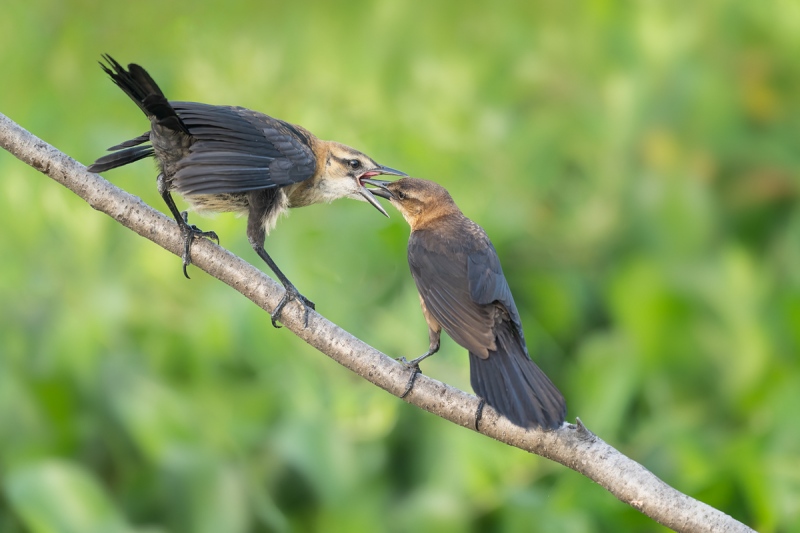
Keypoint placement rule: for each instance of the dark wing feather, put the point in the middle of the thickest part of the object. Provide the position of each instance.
(236, 150)
(486, 279)
(487, 282)
(442, 280)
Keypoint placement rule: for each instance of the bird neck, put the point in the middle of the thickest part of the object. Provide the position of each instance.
(439, 217)
(322, 153)
(310, 191)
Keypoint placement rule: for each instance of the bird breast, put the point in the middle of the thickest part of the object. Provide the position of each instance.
(217, 203)
(320, 190)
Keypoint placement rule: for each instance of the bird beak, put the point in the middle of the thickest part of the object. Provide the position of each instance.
(381, 191)
(383, 170)
(367, 194)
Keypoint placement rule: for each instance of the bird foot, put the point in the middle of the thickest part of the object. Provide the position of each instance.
(191, 232)
(415, 370)
(291, 294)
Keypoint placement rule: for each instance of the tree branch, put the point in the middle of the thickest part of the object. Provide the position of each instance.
(573, 446)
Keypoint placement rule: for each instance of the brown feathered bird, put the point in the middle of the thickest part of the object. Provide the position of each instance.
(225, 158)
(463, 291)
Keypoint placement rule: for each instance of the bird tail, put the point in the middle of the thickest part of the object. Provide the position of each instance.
(514, 386)
(125, 153)
(143, 90)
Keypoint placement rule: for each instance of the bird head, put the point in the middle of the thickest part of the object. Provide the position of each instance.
(417, 200)
(341, 171)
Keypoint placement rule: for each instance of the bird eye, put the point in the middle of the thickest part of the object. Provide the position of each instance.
(401, 195)
(355, 164)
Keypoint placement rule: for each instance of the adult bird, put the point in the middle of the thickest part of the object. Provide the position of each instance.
(463, 291)
(226, 158)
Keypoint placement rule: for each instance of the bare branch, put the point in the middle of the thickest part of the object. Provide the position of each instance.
(573, 445)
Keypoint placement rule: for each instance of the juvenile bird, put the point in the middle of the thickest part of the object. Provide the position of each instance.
(463, 291)
(225, 158)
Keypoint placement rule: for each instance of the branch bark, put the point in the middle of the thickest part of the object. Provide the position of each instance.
(573, 446)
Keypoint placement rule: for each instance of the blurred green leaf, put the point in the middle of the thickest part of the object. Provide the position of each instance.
(56, 496)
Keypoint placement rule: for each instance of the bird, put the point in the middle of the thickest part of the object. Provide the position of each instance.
(222, 158)
(463, 291)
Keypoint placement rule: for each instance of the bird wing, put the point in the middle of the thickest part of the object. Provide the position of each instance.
(442, 280)
(488, 286)
(487, 283)
(236, 150)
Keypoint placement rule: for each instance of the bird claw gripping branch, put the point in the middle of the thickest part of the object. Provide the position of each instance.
(191, 232)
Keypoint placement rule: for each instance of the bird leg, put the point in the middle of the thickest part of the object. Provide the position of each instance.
(291, 292)
(413, 365)
(264, 204)
(190, 232)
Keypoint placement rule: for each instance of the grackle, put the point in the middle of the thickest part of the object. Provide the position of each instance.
(463, 291)
(226, 158)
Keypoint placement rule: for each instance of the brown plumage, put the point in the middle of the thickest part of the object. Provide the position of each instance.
(225, 158)
(463, 291)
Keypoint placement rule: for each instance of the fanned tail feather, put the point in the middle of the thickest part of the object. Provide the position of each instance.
(122, 157)
(143, 90)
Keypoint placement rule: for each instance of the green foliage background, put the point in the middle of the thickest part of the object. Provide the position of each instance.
(636, 165)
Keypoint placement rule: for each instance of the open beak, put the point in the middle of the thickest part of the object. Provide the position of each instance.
(381, 190)
(368, 194)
